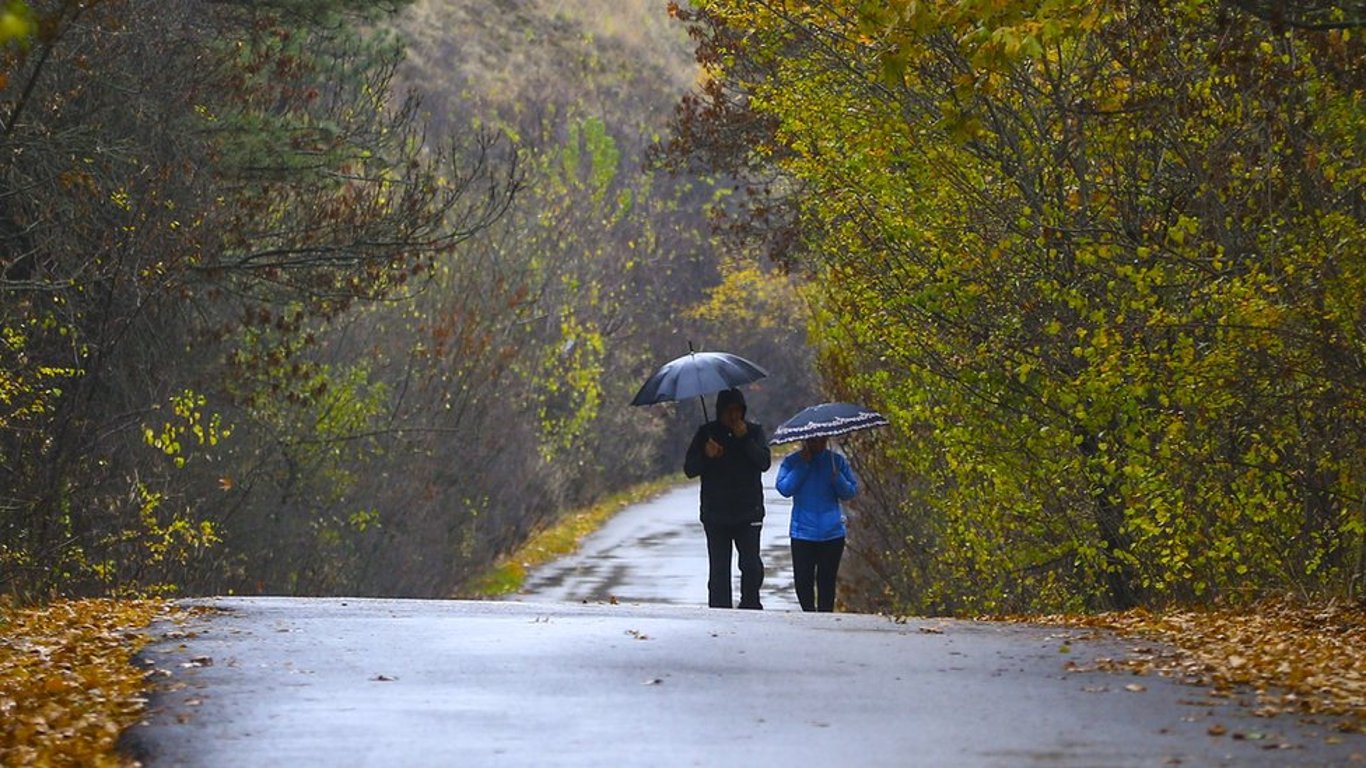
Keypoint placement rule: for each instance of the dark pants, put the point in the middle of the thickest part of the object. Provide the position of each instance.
(815, 565)
(745, 538)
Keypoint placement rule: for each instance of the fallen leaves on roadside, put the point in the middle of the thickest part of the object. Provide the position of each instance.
(1296, 657)
(67, 684)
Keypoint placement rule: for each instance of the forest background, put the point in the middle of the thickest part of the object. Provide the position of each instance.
(271, 324)
(330, 296)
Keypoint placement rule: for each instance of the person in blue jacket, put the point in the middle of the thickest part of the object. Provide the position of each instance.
(817, 480)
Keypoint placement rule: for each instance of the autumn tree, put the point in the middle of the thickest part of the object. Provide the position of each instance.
(1102, 265)
(325, 296)
(190, 190)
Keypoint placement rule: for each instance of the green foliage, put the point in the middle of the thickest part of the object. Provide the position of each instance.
(1102, 264)
(181, 221)
(337, 296)
(572, 366)
(17, 24)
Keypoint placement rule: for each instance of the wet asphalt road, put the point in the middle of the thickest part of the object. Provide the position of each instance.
(655, 679)
(656, 552)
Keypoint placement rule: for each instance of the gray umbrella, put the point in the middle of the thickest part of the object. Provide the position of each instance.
(696, 374)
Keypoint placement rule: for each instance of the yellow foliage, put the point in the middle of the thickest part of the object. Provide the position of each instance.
(17, 24)
(750, 297)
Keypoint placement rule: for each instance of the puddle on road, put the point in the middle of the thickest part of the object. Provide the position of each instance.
(656, 552)
(659, 539)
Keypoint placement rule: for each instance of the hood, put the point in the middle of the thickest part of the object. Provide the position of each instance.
(728, 397)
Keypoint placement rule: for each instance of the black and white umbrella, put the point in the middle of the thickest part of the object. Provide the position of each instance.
(827, 420)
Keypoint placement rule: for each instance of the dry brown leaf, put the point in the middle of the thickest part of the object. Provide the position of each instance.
(67, 683)
(1296, 657)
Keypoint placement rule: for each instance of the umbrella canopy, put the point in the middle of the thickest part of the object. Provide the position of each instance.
(827, 420)
(696, 374)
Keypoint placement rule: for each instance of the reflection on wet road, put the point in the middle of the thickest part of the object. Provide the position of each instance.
(655, 552)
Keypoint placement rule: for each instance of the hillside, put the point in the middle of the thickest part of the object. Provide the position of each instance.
(613, 57)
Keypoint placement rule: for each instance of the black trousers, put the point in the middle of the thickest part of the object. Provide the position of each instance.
(815, 564)
(745, 539)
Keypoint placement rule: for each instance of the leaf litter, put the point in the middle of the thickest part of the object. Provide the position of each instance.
(68, 686)
(1297, 658)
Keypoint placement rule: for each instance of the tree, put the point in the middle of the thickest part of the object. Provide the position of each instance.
(287, 309)
(1096, 261)
(178, 230)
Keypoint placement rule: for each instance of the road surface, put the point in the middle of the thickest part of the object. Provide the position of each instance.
(654, 679)
(656, 552)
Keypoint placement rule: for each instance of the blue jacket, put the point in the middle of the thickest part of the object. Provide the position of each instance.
(816, 488)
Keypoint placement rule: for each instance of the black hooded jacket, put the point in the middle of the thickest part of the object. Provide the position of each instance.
(732, 483)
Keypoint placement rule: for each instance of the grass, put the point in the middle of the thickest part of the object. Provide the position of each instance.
(559, 539)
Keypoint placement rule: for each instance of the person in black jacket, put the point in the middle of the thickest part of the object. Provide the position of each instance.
(731, 455)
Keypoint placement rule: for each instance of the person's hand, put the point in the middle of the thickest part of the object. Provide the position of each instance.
(713, 449)
(733, 419)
